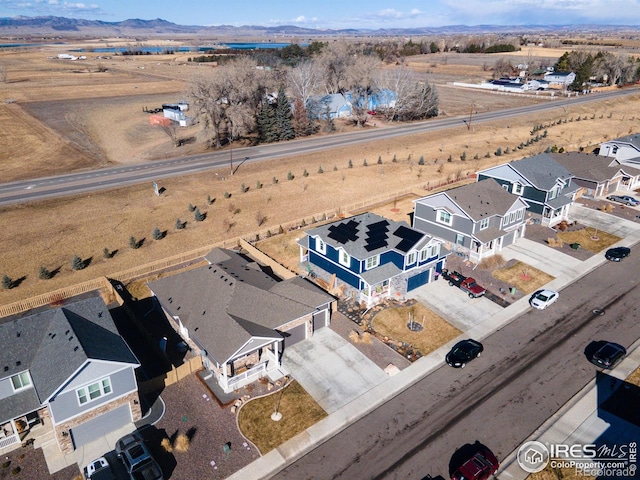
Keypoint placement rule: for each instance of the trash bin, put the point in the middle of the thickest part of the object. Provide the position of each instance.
(575, 246)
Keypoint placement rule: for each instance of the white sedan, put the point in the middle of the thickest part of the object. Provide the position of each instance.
(543, 298)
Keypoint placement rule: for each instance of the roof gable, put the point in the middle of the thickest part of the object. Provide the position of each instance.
(542, 171)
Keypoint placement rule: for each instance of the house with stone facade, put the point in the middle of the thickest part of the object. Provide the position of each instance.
(67, 369)
(373, 257)
(239, 316)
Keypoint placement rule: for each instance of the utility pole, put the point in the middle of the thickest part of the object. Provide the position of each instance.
(231, 153)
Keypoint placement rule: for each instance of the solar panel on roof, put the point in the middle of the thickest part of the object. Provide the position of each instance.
(344, 232)
(377, 235)
(409, 238)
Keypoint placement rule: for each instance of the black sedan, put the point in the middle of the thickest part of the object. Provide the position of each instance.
(608, 355)
(617, 254)
(463, 352)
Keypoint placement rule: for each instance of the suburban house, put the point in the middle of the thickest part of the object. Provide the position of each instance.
(477, 219)
(596, 175)
(542, 182)
(239, 317)
(375, 257)
(559, 79)
(625, 150)
(335, 105)
(67, 369)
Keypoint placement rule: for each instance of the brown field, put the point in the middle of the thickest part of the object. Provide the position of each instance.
(58, 116)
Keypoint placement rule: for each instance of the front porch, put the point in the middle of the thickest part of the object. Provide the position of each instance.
(21, 431)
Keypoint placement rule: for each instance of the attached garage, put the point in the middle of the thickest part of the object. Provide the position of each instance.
(320, 319)
(101, 425)
(418, 280)
(295, 335)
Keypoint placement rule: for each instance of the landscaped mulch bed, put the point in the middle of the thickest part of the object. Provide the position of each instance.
(27, 463)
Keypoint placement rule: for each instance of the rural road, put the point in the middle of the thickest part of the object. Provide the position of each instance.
(528, 370)
(114, 177)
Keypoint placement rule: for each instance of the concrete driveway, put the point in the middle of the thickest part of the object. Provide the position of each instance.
(454, 305)
(331, 370)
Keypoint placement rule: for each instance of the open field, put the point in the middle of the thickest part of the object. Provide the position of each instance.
(68, 116)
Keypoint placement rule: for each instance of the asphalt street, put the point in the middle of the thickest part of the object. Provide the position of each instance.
(528, 370)
(115, 177)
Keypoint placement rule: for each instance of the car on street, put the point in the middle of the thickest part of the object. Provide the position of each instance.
(624, 199)
(608, 355)
(480, 466)
(617, 254)
(99, 469)
(463, 352)
(543, 298)
(135, 456)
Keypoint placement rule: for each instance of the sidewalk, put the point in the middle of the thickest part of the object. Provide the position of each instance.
(581, 411)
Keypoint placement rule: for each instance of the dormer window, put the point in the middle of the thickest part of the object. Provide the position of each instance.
(444, 217)
(410, 259)
(517, 189)
(373, 262)
(321, 246)
(484, 224)
(553, 193)
(21, 381)
(344, 258)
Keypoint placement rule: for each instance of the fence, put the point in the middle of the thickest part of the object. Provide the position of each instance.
(141, 271)
(173, 376)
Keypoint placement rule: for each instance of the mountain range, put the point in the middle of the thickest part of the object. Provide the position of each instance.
(60, 26)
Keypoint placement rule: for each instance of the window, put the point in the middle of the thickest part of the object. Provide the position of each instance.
(345, 259)
(553, 193)
(430, 252)
(520, 214)
(512, 217)
(484, 223)
(94, 391)
(444, 217)
(517, 189)
(410, 259)
(321, 246)
(21, 381)
(459, 239)
(373, 262)
(424, 254)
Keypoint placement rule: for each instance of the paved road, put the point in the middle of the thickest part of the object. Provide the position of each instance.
(103, 179)
(530, 368)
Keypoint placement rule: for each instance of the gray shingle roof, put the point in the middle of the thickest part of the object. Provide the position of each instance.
(591, 167)
(227, 303)
(482, 199)
(357, 245)
(54, 343)
(541, 170)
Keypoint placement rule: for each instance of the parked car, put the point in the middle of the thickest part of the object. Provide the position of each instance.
(463, 352)
(624, 199)
(99, 469)
(608, 355)
(543, 298)
(617, 254)
(135, 456)
(480, 466)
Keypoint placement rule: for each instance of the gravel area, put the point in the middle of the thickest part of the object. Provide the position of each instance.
(29, 463)
(192, 410)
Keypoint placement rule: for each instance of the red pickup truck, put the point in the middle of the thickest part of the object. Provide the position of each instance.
(466, 284)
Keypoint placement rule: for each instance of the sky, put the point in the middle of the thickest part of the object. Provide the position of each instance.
(338, 14)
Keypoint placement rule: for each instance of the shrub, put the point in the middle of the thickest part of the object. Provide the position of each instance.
(179, 224)
(182, 443)
(8, 283)
(244, 188)
(77, 263)
(449, 159)
(198, 215)
(476, 157)
(106, 253)
(487, 155)
(157, 234)
(305, 173)
(350, 163)
(191, 208)
(274, 180)
(463, 157)
(227, 195)
(258, 185)
(320, 170)
(335, 168)
(166, 445)
(44, 273)
(210, 200)
(364, 162)
(498, 152)
(133, 243)
(290, 175)
(260, 218)
(394, 159)
(379, 159)
(421, 161)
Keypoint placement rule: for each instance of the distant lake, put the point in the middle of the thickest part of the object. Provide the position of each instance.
(161, 49)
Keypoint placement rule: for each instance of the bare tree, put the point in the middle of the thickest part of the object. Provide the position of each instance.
(334, 62)
(415, 98)
(609, 67)
(360, 81)
(304, 79)
(172, 132)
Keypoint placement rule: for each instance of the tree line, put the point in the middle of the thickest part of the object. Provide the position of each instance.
(265, 98)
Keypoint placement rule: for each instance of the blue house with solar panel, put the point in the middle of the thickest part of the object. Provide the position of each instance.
(373, 257)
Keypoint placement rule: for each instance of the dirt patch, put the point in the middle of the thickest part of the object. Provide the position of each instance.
(522, 276)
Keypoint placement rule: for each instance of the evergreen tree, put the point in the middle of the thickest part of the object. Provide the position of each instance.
(157, 234)
(284, 125)
(267, 130)
(198, 216)
(7, 282)
(44, 273)
(77, 263)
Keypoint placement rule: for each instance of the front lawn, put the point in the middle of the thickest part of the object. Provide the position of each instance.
(589, 238)
(392, 323)
(299, 411)
(522, 276)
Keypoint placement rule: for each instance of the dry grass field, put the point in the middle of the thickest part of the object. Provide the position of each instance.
(58, 116)
(522, 276)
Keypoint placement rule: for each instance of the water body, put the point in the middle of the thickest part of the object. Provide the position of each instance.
(199, 49)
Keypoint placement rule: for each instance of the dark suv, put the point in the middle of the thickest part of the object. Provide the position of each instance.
(136, 458)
